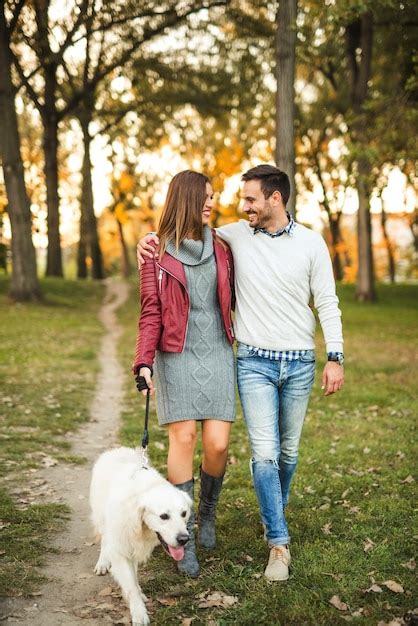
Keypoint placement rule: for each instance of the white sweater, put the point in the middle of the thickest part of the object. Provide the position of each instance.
(274, 281)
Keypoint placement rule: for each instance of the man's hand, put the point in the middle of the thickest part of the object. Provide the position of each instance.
(332, 377)
(146, 373)
(145, 249)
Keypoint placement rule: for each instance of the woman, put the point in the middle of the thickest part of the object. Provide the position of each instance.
(185, 326)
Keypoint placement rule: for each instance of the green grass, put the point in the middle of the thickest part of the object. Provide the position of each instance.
(357, 448)
(48, 370)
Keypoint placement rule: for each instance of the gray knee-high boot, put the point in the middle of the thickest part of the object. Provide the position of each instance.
(189, 565)
(210, 488)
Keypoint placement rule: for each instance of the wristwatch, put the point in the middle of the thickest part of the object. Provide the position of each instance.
(337, 357)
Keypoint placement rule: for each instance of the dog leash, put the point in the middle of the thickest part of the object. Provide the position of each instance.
(142, 385)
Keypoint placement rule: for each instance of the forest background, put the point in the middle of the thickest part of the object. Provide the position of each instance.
(101, 103)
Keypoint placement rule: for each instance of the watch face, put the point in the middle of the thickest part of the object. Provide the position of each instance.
(337, 359)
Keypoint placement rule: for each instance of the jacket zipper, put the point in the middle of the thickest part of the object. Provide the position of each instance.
(160, 281)
(160, 278)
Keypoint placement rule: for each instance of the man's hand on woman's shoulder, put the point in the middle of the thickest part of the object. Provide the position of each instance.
(145, 249)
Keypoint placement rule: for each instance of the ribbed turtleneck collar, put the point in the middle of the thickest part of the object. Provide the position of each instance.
(192, 251)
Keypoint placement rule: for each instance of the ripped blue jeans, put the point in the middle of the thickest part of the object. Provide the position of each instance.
(274, 397)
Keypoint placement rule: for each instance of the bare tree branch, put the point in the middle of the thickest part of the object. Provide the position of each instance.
(124, 57)
(13, 22)
(24, 81)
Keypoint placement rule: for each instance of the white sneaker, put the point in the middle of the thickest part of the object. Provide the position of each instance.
(278, 565)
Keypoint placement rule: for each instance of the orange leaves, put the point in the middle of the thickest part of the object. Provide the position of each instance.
(120, 213)
(126, 183)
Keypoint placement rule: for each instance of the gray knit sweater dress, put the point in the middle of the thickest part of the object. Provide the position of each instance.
(198, 383)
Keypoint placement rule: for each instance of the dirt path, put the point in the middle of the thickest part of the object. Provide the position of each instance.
(74, 595)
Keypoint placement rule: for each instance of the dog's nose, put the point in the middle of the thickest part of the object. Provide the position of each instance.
(182, 538)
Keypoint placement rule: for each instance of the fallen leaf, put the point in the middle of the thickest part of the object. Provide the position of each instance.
(327, 528)
(366, 450)
(357, 613)
(186, 621)
(334, 576)
(368, 544)
(167, 601)
(400, 455)
(159, 445)
(354, 510)
(84, 575)
(232, 460)
(408, 480)
(338, 604)
(409, 564)
(217, 599)
(105, 606)
(394, 586)
(248, 558)
(48, 461)
(106, 591)
(397, 621)
(374, 588)
(4, 524)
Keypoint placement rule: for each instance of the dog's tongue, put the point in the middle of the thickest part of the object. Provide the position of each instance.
(176, 553)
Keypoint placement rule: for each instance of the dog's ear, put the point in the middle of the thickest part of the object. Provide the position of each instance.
(140, 511)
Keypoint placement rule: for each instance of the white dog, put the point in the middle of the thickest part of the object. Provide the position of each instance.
(133, 508)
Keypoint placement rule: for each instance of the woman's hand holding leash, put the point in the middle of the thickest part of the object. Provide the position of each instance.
(144, 381)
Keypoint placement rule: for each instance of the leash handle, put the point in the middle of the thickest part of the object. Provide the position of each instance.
(145, 437)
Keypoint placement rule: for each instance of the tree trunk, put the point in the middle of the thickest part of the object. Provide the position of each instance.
(50, 144)
(389, 247)
(126, 264)
(359, 37)
(24, 281)
(285, 96)
(334, 226)
(82, 244)
(365, 291)
(334, 223)
(89, 238)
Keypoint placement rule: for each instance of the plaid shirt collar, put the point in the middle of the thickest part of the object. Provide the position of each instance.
(289, 228)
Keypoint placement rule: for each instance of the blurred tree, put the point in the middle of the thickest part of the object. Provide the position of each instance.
(328, 176)
(285, 46)
(24, 282)
(112, 33)
(338, 42)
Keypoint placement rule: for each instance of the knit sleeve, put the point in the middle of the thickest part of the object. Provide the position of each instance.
(322, 285)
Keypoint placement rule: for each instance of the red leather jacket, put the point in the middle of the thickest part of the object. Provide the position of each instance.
(165, 303)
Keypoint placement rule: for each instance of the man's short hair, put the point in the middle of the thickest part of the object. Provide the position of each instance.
(271, 179)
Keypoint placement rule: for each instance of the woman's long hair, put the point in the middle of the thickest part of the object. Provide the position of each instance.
(182, 213)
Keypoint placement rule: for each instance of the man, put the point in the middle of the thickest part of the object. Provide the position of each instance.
(279, 266)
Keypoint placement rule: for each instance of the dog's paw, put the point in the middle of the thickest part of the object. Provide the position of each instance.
(102, 567)
(140, 616)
